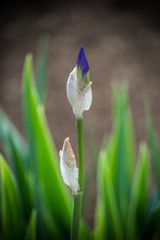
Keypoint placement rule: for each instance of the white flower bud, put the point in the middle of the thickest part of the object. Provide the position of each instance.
(69, 171)
(79, 91)
(80, 99)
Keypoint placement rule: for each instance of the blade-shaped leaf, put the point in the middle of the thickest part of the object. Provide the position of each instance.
(48, 173)
(22, 180)
(100, 224)
(28, 113)
(8, 133)
(121, 150)
(12, 221)
(31, 227)
(15, 149)
(153, 146)
(100, 231)
(113, 221)
(137, 215)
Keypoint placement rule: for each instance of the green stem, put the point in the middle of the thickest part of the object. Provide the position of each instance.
(76, 215)
(77, 201)
(80, 153)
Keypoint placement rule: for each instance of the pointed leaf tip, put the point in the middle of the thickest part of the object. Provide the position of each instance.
(82, 62)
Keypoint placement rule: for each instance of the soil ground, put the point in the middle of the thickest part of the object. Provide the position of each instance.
(120, 46)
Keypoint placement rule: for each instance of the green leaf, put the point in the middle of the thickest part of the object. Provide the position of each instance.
(122, 140)
(119, 155)
(49, 178)
(31, 227)
(12, 221)
(28, 113)
(113, 221)
(49, 174)
(15, 149)
(121, 150)
(100, 231)
(137, 215)
(153, 146)
(41, 73)
(8, 134)
(49, 226)
(22, 180)
(100, 224)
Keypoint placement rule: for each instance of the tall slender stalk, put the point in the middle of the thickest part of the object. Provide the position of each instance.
(76, 215)
(77, 198)
(80, 152)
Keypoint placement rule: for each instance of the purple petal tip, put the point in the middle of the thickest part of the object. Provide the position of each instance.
(82, 61)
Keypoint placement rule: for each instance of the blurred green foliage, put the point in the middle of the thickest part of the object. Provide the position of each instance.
(127, 207)
(35, 203)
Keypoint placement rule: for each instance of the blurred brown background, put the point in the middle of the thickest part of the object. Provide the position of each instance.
(122, 43)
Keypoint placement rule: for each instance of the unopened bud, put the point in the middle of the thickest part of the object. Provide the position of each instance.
(69, 170)
(79, 91)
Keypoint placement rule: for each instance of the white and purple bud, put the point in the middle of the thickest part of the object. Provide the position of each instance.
(79, 91)
(69, 170)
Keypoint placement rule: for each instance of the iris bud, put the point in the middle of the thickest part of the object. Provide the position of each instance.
(79, 91)
(69, 170)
